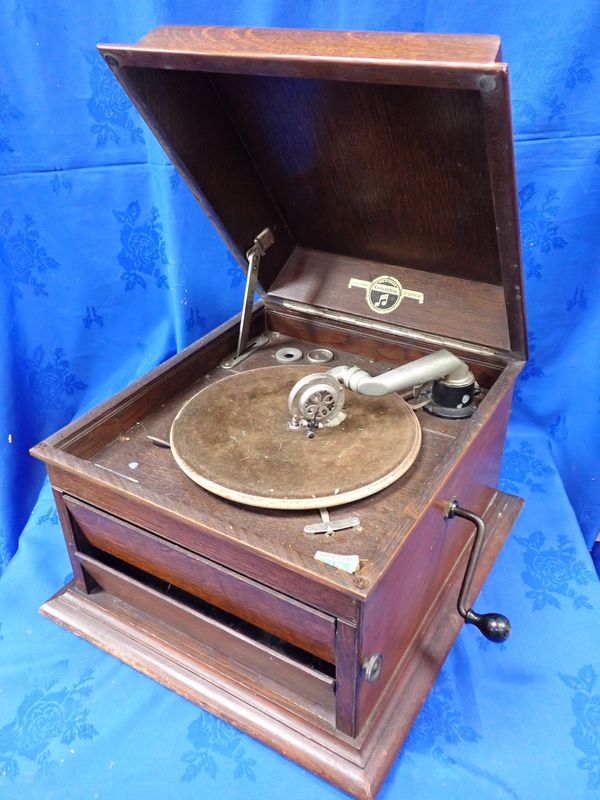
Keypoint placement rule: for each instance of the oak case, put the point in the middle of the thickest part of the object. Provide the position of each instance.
(368, 154)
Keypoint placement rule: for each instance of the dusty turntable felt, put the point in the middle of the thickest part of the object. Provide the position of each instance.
(233, 439)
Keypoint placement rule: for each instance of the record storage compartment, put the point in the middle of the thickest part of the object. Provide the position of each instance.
(291, 649)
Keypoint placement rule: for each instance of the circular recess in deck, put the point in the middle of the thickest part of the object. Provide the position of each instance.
(233, 439)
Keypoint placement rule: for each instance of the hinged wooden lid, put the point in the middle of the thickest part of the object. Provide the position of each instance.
(383, 163)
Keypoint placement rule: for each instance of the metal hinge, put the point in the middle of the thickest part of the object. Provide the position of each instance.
(386, 327)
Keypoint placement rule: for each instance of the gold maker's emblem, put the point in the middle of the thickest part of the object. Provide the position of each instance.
(384, 294)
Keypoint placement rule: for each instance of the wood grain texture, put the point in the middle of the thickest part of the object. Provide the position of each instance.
(83, 581)
(323, 593)
(118, 628)
(274, 612)
(394, 613)
(88, 434)
(369, 152)
(269, 671)
(466, 310)
(381, 345)
(213, 162)
(266, 545)
(357, 766)
(389, 538)
(276, 535)
(289, 42)
(498, 134)
(365, 153)
(390, 174)
(416, 672)
(452, 61)
(347, 676)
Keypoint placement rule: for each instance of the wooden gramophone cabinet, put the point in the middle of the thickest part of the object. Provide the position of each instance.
(370, 156)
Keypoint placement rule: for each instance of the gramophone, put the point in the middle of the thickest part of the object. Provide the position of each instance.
(314, 503)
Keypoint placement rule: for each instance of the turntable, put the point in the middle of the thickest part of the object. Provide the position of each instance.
(313, 507)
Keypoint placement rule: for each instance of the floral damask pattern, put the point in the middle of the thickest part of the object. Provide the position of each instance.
(8, 113)
(22, 254)
(196, 320)
(539, 231)
(24, 11)
(5, 552)
(235, 272)
(552, 573)
(143, 252)
(109, 106)
(50, 517)
(174, 180)
(586, 732)
(398, 23)
(578, 300)
(439, 723)
(48, 719)
(92, 317)
(166, 7)
(61, 182)
(569, 76)
(55, 108)
(531, 369)
(559, 430)
(546, 92)
(520, 467)
(573, 73)
(556, 107)
(51, 379)
(214, 741)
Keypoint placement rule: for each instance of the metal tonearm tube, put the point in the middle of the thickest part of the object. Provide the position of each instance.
(439, 365)
(317, 399)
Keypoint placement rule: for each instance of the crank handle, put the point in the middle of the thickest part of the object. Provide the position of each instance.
(495, 627)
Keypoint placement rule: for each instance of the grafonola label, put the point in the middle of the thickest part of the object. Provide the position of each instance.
(385, 293)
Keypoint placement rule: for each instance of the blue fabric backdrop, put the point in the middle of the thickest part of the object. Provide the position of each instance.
(108, 266)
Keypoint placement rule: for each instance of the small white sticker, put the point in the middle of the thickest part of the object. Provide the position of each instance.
(346, 563)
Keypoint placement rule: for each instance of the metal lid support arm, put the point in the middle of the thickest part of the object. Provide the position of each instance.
(263, 241)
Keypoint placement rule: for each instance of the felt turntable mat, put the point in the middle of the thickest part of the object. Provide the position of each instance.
(233, 439)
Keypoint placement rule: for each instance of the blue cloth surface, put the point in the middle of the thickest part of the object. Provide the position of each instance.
(108, 266)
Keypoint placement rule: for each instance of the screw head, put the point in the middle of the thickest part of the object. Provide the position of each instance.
(372, 667)
(487, 83)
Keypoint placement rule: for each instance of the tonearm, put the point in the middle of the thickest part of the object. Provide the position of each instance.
(317, 400)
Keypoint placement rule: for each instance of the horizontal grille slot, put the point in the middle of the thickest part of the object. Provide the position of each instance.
(233, 623)
(259, 605)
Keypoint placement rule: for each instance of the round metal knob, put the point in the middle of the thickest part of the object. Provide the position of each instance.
(372, 667)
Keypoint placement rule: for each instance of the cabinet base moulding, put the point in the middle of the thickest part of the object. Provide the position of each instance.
(357, 766)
